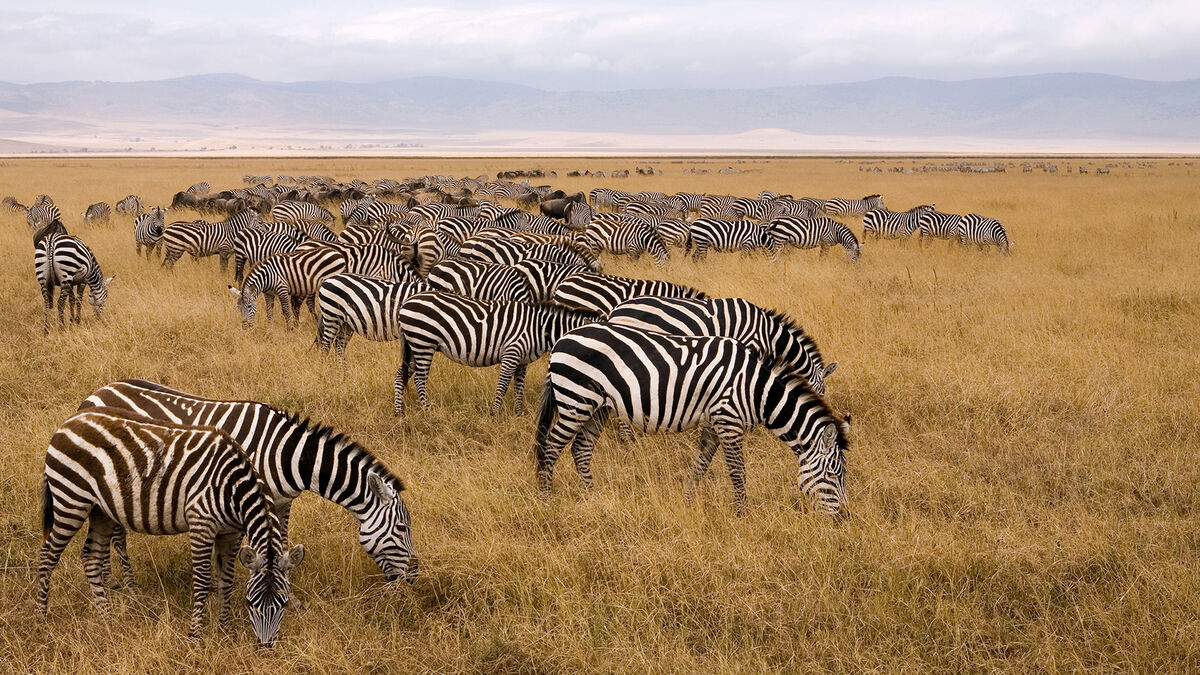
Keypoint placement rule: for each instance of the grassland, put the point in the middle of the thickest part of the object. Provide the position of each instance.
(1024, 471)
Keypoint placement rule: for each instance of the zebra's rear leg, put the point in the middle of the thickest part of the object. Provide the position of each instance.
(48, 300)
(94, 553)
(62, 527)
(519, 389)
(585, 443)
(625, 432)
(509, 363)
(402, 374)
(708, 448)
(564, 429)
(119, 544)
(422, 362)
(64, 296)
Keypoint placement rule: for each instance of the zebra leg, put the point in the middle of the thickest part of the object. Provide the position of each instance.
(343, 336)
(287, 307)
(625, 432)
(519, 389)
(93, 554)
(402, 375)
(508, 367)
(708, 448)
(585, 443)
(201, 538)
(700, 252)
(226, 553)
(269, 301)
(119, 543)
(63, 526)
(48, 299)
(565, 428)
(239, 268)
(312, 307)
(170, 257)
(224, 258)
(732, 435)
(77, 304)
(64, 295)
(421, 364)
(329, 330)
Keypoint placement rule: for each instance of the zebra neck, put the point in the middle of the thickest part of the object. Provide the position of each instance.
(260, 524)
(335, 468)
(94, 278)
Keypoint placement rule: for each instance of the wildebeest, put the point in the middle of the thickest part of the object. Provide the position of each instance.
(557, 208)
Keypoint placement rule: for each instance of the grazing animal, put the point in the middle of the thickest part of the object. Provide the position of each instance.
(97, 213)
(254, 244)
(509, 252)
(727, 235)
(659, 382)
(884, 224)
(200, 188)
(199, 239)
(109, 467)
(131, 205)
(811, 233)
(625, 235)
(772, 335)
(543, 276)
(291, 277)
(937, 225)
(292, 456)
(148, 229)
(42, 214)
(853, 207)
(294, 212)
(63, 261)
(600, 293)
(480, 280)
(353, 303)
(982, 231)
(478, 333)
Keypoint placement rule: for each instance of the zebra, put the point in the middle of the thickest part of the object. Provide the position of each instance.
(253, 244)
(934, 224)
(200, 188)
(543, 276)
(131, 205)
(478, 333)
(55, 227)
(717, 206)
(99, 212)
(291, 277)
(600, 293)
(656, 209)
(41, 214)
(199, 239)
(771, 334)
(626, 236)
(687, 202)
(65, 261)
(759, 209)
(604, 197)
(112, 468)
(853, 207)
(286, 451)
(881, 223)
(660, 382)
(508, 252)
(292, 211)
(377, 261)
(983, 232)
(726, 235)
(148, 229)
(354, 303)
(480, 280)
(813, 232)
(11, 204)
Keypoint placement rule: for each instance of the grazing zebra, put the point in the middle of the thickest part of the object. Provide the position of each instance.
(199, 239)
(99, 212)
(717, 206)
(626, 236)
(983, 232)
(813, 232)
(727, 235)
(13, 205)
(377, 261)
(659, 382)
(853, 207)
(131, 205)
(291, 277)
(772, 335)
(429, 248)
(687, 202)
(508, 252)
(200, 188)
(480, 280)
(66, 262)
(655, 209)
(478, 333)
(881, 223)
(253, 244)
(758, 209)
(292, 211)
(286, 452)
(937, 225)
(42, 214)
(543, 276)
(148, 229)
(111, 468)
(600, 293)
(603, 197)
(354, 303)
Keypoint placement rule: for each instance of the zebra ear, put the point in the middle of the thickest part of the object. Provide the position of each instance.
(292, 560)
(830, 368)
(376, 484)
(236, 292)
(109, 280)
(830, 435)
(250, 559)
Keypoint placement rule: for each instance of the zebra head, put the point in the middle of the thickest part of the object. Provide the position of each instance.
(99, 293)
(245, 303)
(384, 531)
(822, 472)
(874, 202)
(652, 244)
(268, 589)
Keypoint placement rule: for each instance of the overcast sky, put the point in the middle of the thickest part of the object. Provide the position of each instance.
(599, 45)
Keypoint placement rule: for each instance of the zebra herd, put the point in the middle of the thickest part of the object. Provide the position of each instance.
(441, 265)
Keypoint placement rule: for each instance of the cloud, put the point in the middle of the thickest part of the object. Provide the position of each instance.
(602, 45)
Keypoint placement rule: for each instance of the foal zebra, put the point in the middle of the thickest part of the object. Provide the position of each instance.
(982, 231)
(774, 336)
(291, 456)
(813, 232)
(478, 333)
(148, 229)
(726, 235)
(60, 260)
(881, 223)
(600, 293)
(112, 468)
(853, 207)
(353, 303)
(659, 382)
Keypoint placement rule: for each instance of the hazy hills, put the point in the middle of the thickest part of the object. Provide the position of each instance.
(1031, 107)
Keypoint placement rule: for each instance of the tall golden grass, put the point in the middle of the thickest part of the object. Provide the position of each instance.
(1023, 477)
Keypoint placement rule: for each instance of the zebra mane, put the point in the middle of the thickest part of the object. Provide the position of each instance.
(871, 197)
(328, 434)
(794, 328)
(791, 377)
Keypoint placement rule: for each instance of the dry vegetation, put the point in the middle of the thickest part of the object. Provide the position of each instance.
(1023, 476)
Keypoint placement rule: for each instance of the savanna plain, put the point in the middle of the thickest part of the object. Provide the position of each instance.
(1023, 475)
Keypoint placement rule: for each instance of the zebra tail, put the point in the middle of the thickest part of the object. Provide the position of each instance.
(546, 412)
(47, 508)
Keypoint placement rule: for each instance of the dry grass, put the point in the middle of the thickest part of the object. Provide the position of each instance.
(1023, 476)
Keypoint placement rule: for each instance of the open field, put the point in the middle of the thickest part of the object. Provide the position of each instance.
(1024, 473)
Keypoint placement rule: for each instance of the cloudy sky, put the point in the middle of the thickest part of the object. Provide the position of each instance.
(599, 45)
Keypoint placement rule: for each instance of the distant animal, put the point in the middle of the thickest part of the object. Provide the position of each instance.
(291, 278)
(97, 213)
(131, 205)
(65, 262)
(148, 229)
(934, 224)
(884, 224)
(41, 214)
(811, 233)
(983, 231)
(706, 234)
(853, 207)
(200, 188)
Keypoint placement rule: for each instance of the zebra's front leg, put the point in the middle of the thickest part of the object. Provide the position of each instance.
(287, 306)
(732, 436)
(401, 383)
(422, 362)
(226, 553)
(519, 389)
(508, 367)
(708, 448)
(95, 550)
(201, 538)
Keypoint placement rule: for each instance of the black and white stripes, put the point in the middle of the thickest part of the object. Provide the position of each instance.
(65, 262)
